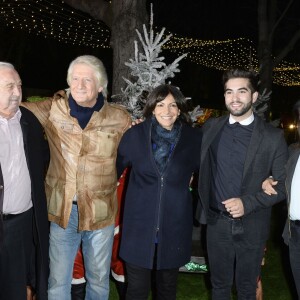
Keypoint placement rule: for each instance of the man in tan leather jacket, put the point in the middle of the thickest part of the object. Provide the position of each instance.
(83, 132)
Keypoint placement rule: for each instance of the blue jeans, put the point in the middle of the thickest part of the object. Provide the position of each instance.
(96, 249)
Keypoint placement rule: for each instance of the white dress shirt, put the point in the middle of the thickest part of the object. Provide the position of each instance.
(245, 122)
(295, 194)
(17, 184)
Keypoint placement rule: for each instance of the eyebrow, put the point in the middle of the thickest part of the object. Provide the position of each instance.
(7, 83)
(239, 89)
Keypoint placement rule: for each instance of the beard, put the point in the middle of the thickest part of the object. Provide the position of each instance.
(242, 111)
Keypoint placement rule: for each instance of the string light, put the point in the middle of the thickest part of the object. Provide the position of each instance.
(56, 20)
(223, 55)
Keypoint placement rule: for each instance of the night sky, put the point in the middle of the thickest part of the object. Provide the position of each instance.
(43, 62)
(222, 20)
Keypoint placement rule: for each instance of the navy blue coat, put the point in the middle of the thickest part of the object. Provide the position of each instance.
(158, 205)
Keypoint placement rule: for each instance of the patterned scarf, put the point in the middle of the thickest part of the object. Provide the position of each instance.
(163, 142)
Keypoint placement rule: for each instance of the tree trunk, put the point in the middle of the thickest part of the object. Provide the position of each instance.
(128, 15)
(265, 41)
(266, 19)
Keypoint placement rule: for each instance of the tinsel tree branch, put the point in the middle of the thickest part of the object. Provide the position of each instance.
(149, 69)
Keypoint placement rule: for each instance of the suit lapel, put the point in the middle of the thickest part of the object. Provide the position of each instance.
(254, 145)
(1, 207)
(290, 169)
(1, 190)
(210, 133)
(25, 131)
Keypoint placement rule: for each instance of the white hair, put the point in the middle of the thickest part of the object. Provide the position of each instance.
(6, 65)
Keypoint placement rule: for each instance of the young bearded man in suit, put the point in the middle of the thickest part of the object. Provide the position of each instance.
(238, 153)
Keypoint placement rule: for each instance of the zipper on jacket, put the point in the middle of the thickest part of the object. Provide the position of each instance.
(161, 188)
(161, 176)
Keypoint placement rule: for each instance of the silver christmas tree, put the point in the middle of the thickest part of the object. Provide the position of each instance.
(148, 67)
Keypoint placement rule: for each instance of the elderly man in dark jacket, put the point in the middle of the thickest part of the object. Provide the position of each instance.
(23, 213)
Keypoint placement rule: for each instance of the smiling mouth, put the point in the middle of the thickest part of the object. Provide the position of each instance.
(235, 105)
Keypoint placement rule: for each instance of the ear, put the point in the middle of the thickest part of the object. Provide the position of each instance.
(178, 112)
(100, 89)
(254, 97)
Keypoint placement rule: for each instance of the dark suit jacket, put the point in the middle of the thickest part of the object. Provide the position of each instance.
(290, 169)
(35, 147)
(1, 205)
(266, 156)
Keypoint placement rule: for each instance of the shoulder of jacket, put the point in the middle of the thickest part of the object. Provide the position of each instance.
(60, 94)
(270, 129)
(27, 114)
(212, 121)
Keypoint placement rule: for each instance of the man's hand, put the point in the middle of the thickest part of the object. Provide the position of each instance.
(235, 207)
(137, 121)
(267, 186)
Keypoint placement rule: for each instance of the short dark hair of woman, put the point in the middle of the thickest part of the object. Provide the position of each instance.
(159, 94)
(241, 73)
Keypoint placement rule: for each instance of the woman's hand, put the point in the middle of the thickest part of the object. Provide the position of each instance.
(268, 186)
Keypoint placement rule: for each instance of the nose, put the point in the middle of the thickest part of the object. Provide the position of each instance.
(167, 108)
(17, 91)
(81, 83)
(234, 96)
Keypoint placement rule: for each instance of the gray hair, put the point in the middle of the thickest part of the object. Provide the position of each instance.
(98, 67)
(6, 65)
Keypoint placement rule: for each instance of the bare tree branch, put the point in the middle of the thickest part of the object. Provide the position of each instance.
(287, 48)
(98, 9)
(280, 18)
(262, 21)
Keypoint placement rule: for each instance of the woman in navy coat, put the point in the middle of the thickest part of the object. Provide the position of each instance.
(163, 153)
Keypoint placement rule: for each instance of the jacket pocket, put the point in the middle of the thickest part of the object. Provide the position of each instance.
(102, 204)
(103, 144)
(55, 197)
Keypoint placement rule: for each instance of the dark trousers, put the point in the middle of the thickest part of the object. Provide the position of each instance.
(231, 255)
(294, 249)
(15, 256)
(78, 291)
(139, 283)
